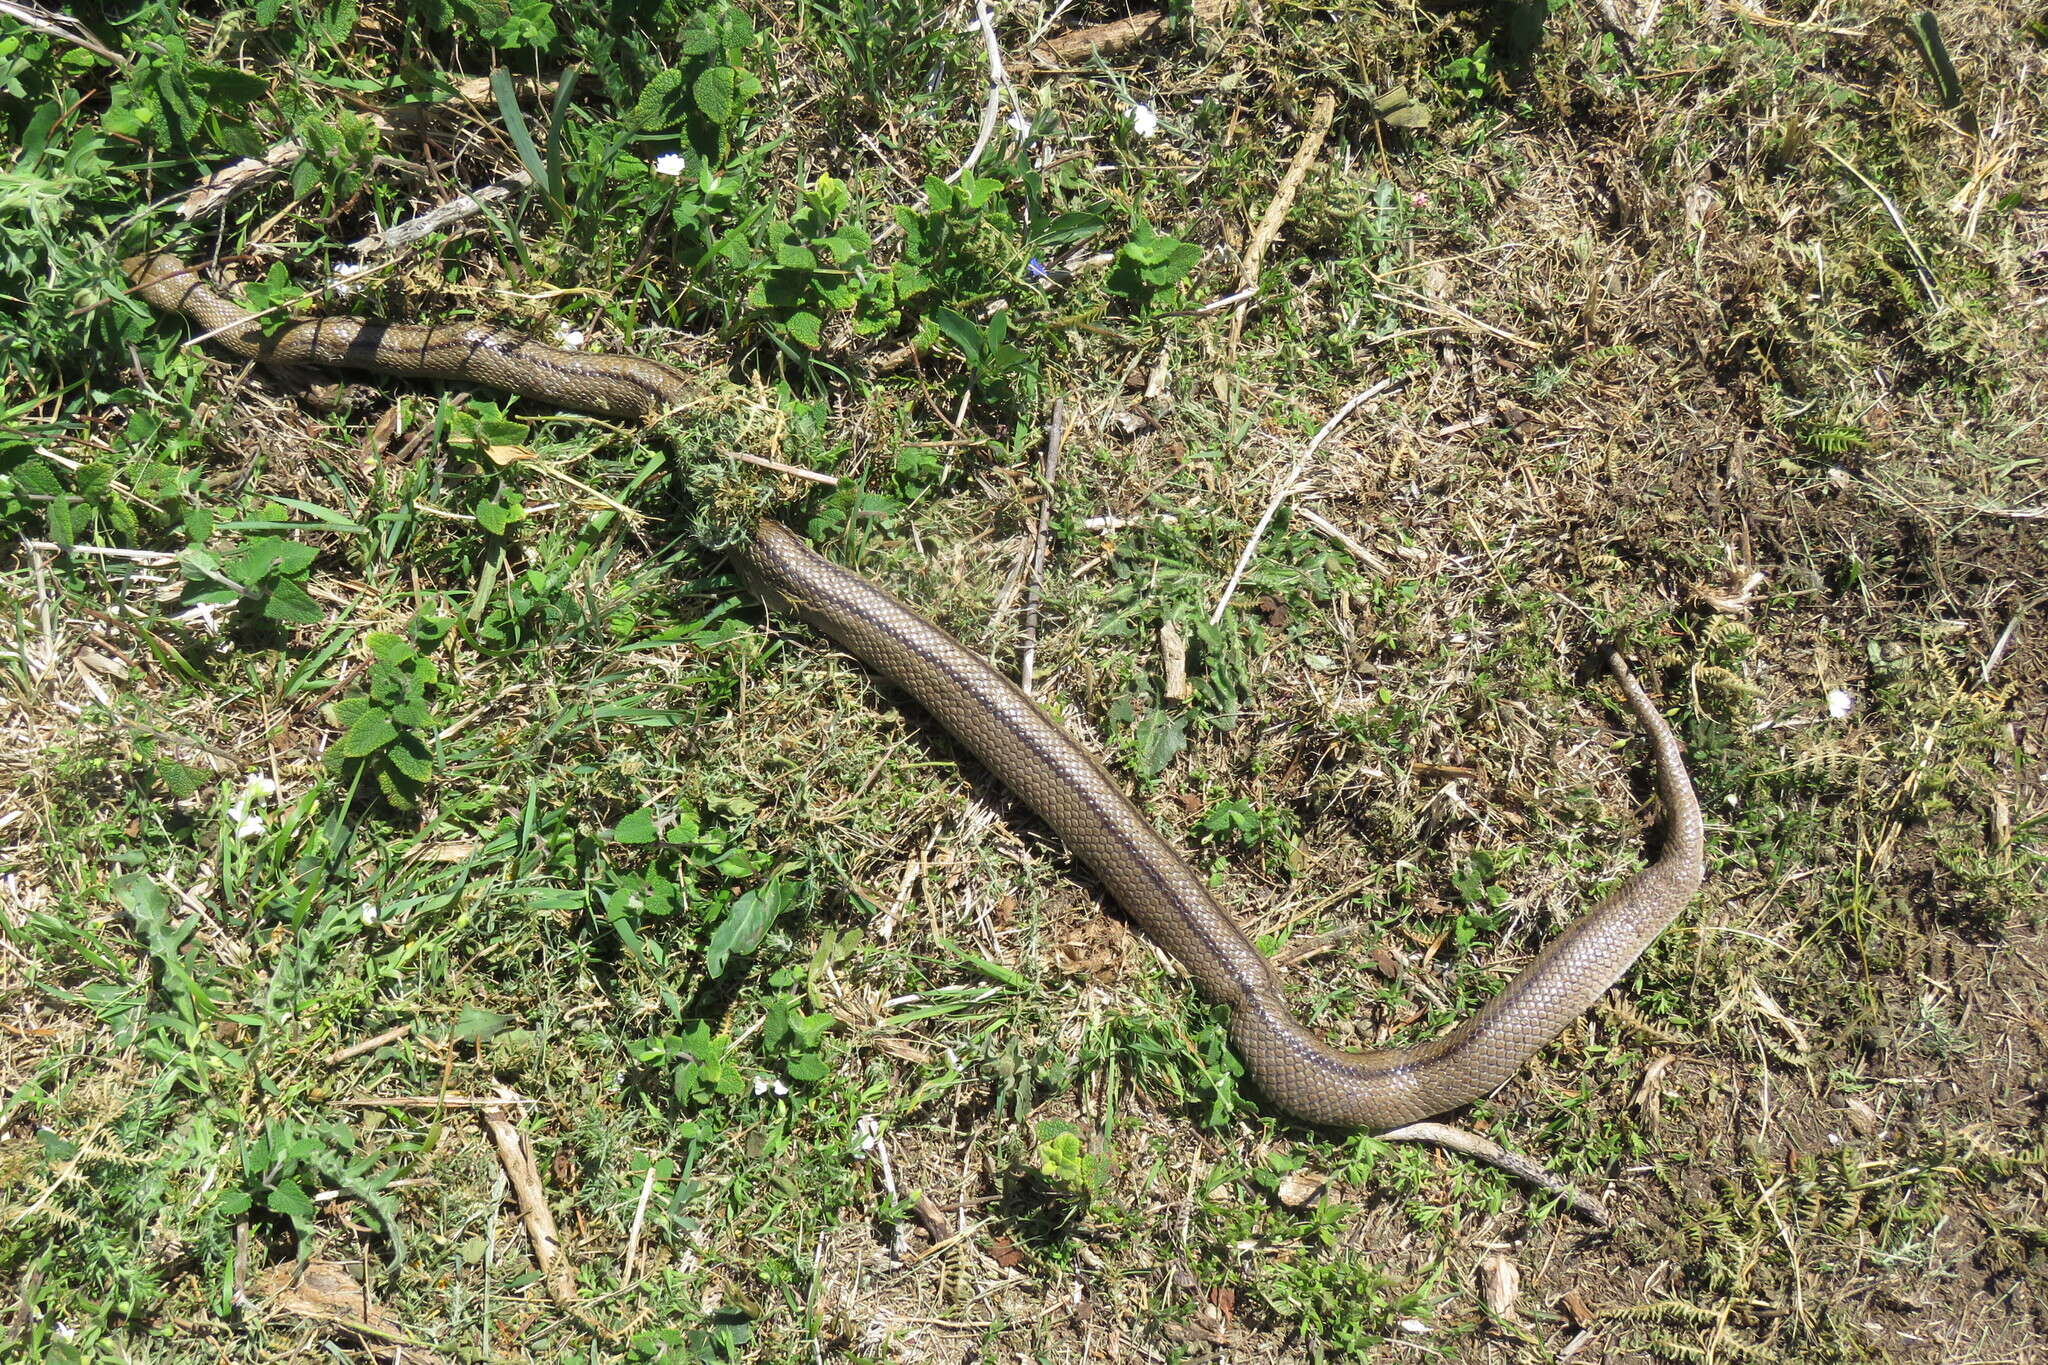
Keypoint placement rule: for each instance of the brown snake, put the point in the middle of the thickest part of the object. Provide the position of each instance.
(1038, 761)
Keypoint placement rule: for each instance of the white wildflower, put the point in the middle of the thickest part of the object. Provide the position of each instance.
(669, 163)
(1019, 125)
(259, 784)
(568, 338)
(250, 827)
(771, 1085)
(1840, 704)
(870, 1137)
(344, 274)
(368, 911)
(1144, 122)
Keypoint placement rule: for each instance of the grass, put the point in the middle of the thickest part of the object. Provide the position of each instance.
(1719, 341)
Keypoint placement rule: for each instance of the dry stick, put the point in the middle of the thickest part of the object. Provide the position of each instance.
(515, 1154)
(353, 1050)
(1343, 538)
(1101, 39)
(1514, 1163)
(64, 27)
(1922, 271)
(998, 85)
(432, 1101)
(794, 471)
(1106, 40)
(445, 215)
(639, 1221)
(1319, 121)
(1445, 310)
(1286, 486)
(1049, 468)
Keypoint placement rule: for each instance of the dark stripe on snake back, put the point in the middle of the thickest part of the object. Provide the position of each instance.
(1041, 763)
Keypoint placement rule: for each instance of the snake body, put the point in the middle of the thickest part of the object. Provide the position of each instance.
(1042, 764)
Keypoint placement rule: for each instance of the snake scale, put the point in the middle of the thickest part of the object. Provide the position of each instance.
(1039, 761)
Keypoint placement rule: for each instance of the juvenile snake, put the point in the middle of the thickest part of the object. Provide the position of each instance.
(1043, 765)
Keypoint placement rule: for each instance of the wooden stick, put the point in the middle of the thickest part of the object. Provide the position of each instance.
(515, 1154)
(1049, 469)
(1319, 121)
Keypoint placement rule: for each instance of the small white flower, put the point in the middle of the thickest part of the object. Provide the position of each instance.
(1019, 124)
(568, 338)
(1840, 704)
(259, 784)
(668, 163)
(870, 1137)
(368, 911)
(1144, 122)
(344, 271)
(767, 1085)
(66, 1332)
(250, 827)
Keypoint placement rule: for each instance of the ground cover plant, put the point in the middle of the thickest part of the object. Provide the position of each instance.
(443, 918)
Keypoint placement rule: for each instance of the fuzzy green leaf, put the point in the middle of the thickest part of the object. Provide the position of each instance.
(372, 731)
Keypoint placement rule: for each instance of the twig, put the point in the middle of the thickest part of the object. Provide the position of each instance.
(998, 85)
(431, 1101)
(639, 1221)
(1338, 534)
(1101, 39)
(155, 559)
(795, 471)
(1106, 40)
(62, 26)
(1286, 486)
(353, 1050)
(1921, 269)
(1445, 310)
(1048, 470)
(441, 216)
(1514, 1163)
(1319, 121)
(515, 1154)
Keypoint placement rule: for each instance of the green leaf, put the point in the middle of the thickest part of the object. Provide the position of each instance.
(371, 732)
(637, 828)
(410, 756)
(473, 1025)
(63, 529)
(718, 92)
(1161, 736)
(291, 1201)
(178, 779)
(1066, 228)
(289, 604)
(807, 328)
(386, 647)
(659, 106)
(745, 924)
(795, 256)
(701, 35)
(961, 333)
